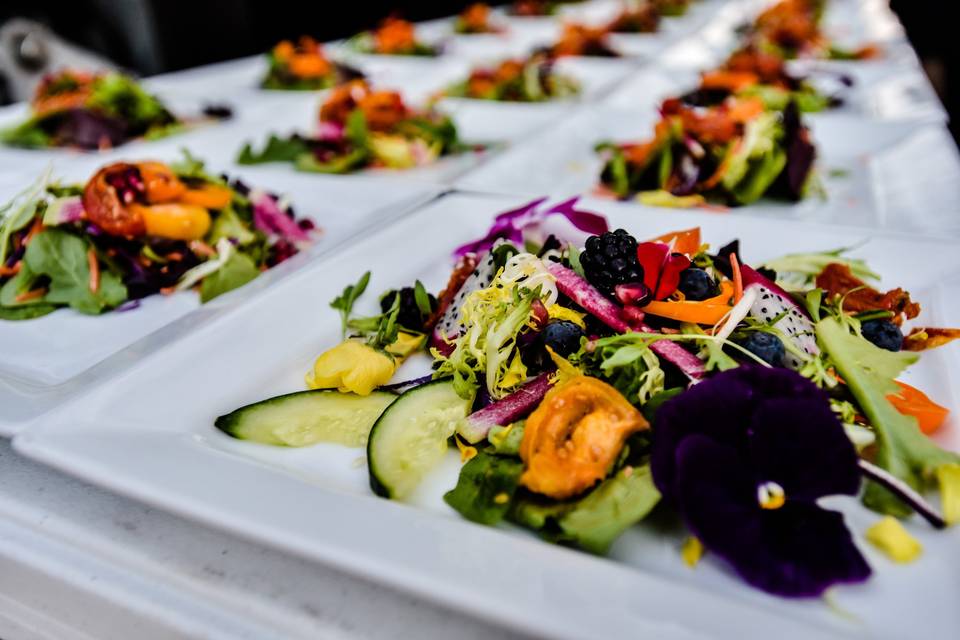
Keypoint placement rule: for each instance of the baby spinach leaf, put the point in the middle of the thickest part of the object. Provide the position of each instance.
(236, 272)
(485, 487)
(277, 149)
(62, 257)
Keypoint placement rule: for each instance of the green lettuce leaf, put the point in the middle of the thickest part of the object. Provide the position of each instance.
(902, 449)
(485, 487)
(277, 149)
(62, 257)
(236, 272)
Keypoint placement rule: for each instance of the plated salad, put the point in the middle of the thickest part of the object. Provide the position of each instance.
(136, 229)
(751, 72)
(532, 8)
(588, 377)
(534, 79)
(394, 37)
(304, 67)
(641, 17)
(96, 111)
(475, 19)
(582, 40)
(791, 29)
(731, 154)
(359, 128)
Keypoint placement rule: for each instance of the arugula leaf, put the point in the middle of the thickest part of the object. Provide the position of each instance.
(277, 149)
(29, 134)
(345, 163)
(485, 487)
(237, 271)
(62, 257)
(345, 301)
(901, 447)
(25, 280)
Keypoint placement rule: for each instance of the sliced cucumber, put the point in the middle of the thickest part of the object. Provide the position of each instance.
(410, 438)
(307, 417)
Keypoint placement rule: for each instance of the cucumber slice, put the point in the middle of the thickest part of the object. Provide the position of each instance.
(307, 417)
(410, 438)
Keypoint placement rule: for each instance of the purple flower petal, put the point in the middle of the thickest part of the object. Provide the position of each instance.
(531, 221)
(798, 550)
(802, 446)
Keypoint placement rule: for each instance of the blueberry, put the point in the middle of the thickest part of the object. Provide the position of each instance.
(696, 284)
(883, 333)
(562, 336)
(765, 346)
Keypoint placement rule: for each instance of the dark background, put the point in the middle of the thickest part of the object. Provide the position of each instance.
(152, 36)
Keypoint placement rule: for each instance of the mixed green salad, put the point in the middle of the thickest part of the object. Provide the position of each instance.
(730, 154)
(304, 67)
(361, 128)
(95, 111)
(134, 230)
(394, 37)
(534, 79)
(589, 377)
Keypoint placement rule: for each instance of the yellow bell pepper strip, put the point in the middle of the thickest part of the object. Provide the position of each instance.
(706, 312)
(174, 221)
(948, 478)
(209, 196)
(574, 437)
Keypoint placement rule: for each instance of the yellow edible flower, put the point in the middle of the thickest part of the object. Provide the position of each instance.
(558, 312)
(352, 366)
(889, 536)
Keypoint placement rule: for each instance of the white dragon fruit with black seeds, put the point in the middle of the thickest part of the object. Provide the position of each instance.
(796, 326)
(448, 326)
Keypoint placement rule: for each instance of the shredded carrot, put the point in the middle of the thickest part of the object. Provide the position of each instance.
(737, 278)
(10, 271)
(168, 290)
(34, 230)
(27, 296)
(176, 256)
(201, 248)
(94, 267)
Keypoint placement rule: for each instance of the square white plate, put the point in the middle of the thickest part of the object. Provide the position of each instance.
(150, 435)
(45, 360)
(854, 157)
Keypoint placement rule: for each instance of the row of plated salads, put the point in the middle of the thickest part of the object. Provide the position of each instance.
(736, 137)
(588, 377)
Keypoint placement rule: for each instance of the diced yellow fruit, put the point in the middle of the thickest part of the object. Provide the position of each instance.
(691, 551)
(558, 312)
(406, 344)
(351, 366)
(889, 536)
(175, 221)
(948, 476)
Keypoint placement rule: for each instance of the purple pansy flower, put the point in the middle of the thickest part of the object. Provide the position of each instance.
(744, 456)
(532, 222)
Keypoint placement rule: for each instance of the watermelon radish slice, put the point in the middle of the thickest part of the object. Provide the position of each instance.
(505, 411)
(584, 294)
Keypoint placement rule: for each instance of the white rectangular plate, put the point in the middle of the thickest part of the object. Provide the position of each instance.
(150, 435)
(869, 169)
(44, 360)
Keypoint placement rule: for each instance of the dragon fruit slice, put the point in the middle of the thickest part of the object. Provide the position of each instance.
(448, 326)
(795, 324)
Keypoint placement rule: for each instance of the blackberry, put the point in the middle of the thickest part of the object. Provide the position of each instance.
(611, 259)
(765, 346)
(562, 336)
(409, 316)
(883, 334)
(696, 284)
